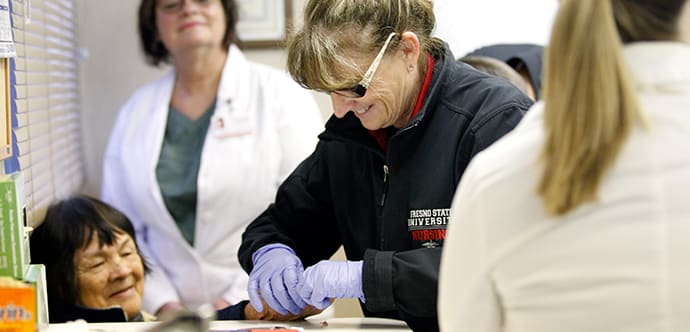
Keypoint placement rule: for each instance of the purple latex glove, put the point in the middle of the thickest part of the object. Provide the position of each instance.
(331, 279)
(276, 273)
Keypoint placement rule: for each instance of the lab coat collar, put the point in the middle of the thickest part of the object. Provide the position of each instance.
(231, 86)
(659, 64)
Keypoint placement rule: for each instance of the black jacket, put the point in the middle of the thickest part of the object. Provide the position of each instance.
(395, 222)
(60, 312)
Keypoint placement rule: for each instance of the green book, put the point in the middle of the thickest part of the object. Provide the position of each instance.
(14, 240)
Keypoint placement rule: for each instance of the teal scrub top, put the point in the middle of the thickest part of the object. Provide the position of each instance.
(178, 167)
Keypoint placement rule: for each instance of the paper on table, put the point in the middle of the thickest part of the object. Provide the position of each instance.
(276, 328)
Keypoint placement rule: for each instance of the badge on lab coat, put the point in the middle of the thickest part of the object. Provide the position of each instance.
(228, 122)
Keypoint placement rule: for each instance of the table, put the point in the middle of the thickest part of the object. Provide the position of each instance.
(357, 324)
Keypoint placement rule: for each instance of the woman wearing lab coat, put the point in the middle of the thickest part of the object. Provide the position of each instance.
(578, 219)
(196, 155)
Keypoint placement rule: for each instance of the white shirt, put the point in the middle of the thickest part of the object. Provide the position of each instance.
(620, 264)
(263, 125)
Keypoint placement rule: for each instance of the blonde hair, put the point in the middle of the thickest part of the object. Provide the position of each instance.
(590, 100)
(320, 53)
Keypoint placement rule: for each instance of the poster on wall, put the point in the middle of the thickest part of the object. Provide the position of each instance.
(263, 23)
(6, 41)
(5, 120)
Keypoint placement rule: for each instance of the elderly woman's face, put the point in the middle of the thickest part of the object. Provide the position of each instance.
(190, 24)
(390, 98)
(110, 276)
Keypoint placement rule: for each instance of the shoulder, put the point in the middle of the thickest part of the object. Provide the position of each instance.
(147, 95)
(276, 90)
(512, 156)
(478, 94)
(269, 90)
(141, 105)
(151, 88)
(267, 85)
(257, 74)
(275, 79)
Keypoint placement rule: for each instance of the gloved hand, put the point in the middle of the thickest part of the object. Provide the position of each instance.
(276, 273)
(331, 279)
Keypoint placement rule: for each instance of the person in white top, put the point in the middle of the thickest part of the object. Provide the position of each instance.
(579, 219)
(198, 154)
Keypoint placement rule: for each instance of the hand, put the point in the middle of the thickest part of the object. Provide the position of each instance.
(331, 279)
(169, 309)
(220, 304)
(274, 278)
(250, 313)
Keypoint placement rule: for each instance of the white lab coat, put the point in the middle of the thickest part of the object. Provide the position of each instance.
(617, 264)
(264, 124)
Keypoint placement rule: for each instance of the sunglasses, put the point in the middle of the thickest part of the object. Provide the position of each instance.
(360, 89)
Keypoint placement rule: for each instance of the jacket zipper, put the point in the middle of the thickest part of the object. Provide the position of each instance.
(386, 171)
(385, 184)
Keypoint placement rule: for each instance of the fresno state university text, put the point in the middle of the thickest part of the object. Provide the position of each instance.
(428, 226)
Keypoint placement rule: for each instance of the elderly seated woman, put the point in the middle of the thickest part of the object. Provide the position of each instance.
(94, 268)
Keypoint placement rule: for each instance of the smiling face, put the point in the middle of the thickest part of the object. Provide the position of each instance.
(392, 94)
(190, 24)
(110, 276)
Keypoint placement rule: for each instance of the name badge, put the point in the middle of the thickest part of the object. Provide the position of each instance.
(230, 123)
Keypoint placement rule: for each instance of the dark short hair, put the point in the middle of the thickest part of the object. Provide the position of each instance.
(496, 68)
(153, 47)
(69, 226)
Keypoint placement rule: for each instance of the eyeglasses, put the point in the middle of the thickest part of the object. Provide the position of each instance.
(173, 6)
(360, 89)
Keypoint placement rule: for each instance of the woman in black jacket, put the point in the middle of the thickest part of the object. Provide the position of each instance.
(407, 120)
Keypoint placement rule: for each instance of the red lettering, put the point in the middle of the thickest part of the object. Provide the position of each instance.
(429, 235)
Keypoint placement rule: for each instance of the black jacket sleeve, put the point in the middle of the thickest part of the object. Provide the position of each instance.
(403, 285)
(233, 312)
(60, 312)
(301, 217)
(405, 281)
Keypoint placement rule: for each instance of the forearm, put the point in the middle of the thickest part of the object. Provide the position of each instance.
(250, 313)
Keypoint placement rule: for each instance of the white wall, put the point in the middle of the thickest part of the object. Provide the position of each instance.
(113, 69)
(469, 24)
